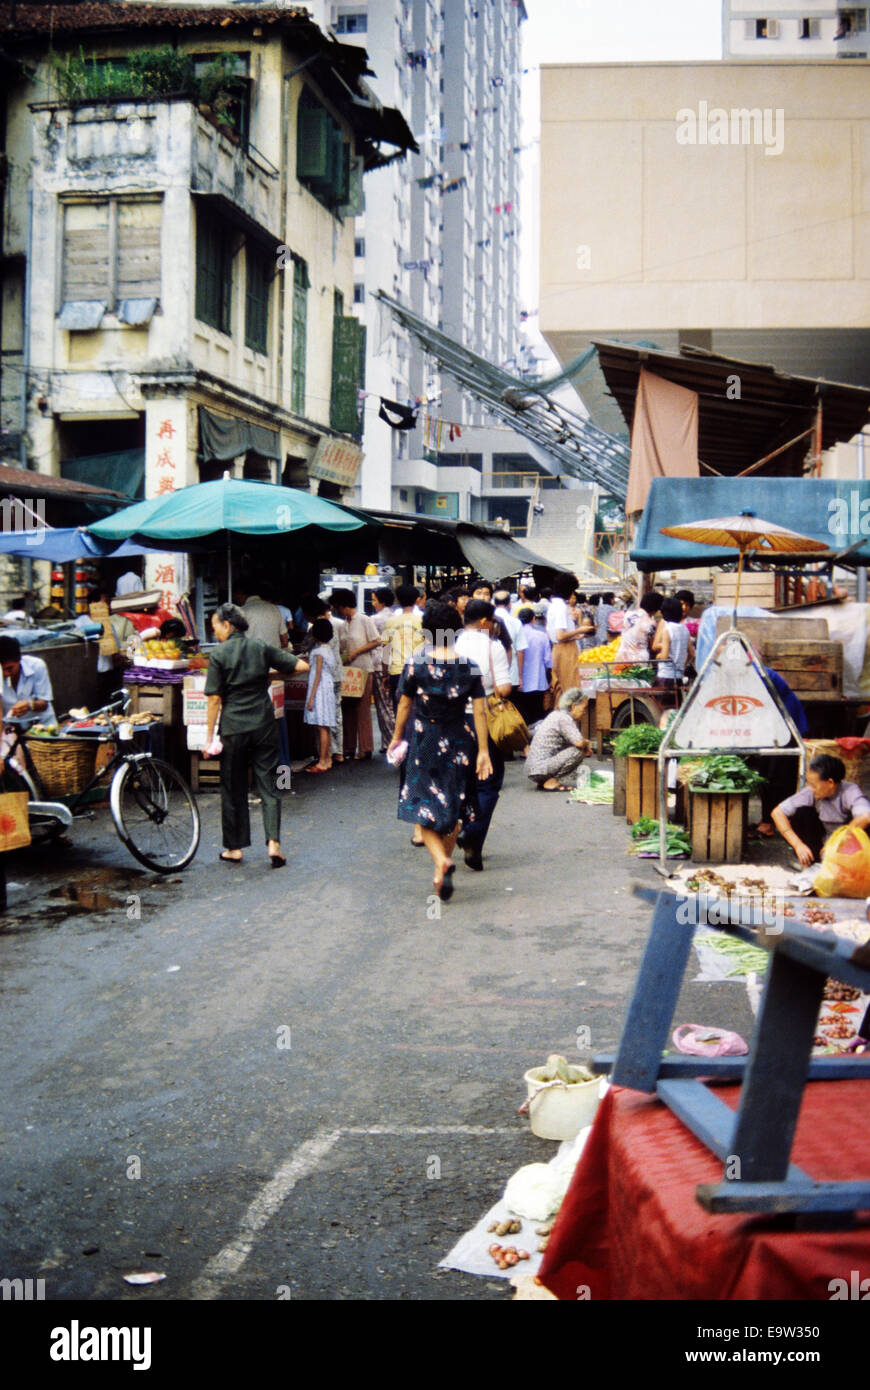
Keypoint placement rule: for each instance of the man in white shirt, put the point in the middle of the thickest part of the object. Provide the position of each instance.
(264, 619)
(27, 694)
(475, 644)
(516, 632)
(129, 583)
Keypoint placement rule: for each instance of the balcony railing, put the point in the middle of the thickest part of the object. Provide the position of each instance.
(521, 482)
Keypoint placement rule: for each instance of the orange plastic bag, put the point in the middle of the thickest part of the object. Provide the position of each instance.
(845, 871)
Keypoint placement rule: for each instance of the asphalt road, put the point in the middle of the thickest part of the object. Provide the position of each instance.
(300, 1083)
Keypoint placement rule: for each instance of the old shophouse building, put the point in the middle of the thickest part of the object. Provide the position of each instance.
(178, 244)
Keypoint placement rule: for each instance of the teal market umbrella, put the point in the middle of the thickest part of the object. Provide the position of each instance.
(222, 511)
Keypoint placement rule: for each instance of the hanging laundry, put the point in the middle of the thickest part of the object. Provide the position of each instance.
(407, 417)
(454, 433)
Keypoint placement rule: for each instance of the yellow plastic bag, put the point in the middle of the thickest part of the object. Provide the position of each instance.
(845, 871)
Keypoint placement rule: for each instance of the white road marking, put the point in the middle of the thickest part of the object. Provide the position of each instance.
(265, 1205)
(476, 1130)
(300, 1164)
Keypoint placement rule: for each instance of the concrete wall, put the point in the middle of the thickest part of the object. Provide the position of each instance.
(639, 230)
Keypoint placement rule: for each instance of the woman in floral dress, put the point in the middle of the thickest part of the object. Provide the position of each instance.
(441, 701)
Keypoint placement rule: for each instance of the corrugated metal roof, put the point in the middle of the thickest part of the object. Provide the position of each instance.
(71, 16)
(22, 482)
(746, 410)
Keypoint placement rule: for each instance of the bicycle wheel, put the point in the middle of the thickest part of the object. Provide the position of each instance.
(155, 814)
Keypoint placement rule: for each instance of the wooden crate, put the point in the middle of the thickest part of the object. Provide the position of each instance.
(755, 588)
(619, 775)
(814, 670)
(164, 701)
(587, 721)
(778, 629)
(205, 773)
(641, 786)
(718, 824)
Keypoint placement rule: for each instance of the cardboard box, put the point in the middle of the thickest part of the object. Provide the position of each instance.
(276, 691)
(296, 692)
(194, 701)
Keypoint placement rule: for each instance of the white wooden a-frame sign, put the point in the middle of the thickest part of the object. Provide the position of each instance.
(731, 706)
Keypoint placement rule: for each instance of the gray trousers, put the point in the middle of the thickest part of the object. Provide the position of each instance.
(560, 765)
(256, 749)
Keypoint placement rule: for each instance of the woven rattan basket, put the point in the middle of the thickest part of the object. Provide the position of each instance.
(857, 765)
(65, 765)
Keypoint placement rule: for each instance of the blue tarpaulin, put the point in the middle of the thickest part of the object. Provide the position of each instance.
(836, 511)
(62, 545)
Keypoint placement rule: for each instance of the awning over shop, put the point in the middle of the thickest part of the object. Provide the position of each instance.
(408, 539)
(64, 544)
(833, 510)
(124, 471)
(54, 501)
(222, 437)
(747, 411)
(498, 556)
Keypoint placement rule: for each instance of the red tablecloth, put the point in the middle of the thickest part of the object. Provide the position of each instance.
(630, 1227)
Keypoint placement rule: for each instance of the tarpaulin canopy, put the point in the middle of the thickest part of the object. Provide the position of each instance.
(836, 511)
(221, 437)
(63, 544)
(497, 557)
(124, 471)
(407, 538)
(664, 436)
(226, 508)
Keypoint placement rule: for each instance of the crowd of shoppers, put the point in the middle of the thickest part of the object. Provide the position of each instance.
(426, 669)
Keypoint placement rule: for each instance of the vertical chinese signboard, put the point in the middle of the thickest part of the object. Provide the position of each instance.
(166, 455)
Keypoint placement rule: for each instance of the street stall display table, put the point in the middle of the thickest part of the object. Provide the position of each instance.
(159, 693)
(650, 1214)
(631, 1229)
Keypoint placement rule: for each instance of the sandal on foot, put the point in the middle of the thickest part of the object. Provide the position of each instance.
(446, 886)
(229, 859)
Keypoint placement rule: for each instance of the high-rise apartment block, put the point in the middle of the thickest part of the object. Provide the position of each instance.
(440, 232)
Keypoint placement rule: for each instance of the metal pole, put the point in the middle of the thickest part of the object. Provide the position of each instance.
(861, 570)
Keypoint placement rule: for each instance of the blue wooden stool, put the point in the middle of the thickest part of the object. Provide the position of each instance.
(755, 1143)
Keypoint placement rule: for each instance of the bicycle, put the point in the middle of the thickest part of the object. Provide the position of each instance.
(153, 809)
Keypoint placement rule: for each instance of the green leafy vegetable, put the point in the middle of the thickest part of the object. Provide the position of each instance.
(725, 773)
(637, 738)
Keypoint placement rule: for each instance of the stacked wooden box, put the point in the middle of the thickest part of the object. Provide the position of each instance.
(798, 648)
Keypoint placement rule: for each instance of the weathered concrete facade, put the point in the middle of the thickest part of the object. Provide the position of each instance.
(143, 180)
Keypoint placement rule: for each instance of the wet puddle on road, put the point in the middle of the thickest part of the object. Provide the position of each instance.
(89, 892)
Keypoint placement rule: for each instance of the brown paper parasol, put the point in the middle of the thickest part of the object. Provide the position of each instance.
(746, 533)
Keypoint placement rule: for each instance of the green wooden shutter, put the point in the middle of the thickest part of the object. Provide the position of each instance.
(312, 140)
(300, 331)
(257, 289)
(348, 374)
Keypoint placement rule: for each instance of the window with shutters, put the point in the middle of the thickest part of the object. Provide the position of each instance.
(348, 373)
(214, 272)
(259, 273)
(323, 155)
(300, 329)
(111, 261)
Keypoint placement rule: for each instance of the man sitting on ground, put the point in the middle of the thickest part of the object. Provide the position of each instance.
(825, 803)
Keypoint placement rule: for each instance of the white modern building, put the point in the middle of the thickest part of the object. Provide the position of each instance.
(776, 29)
(440, 231)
